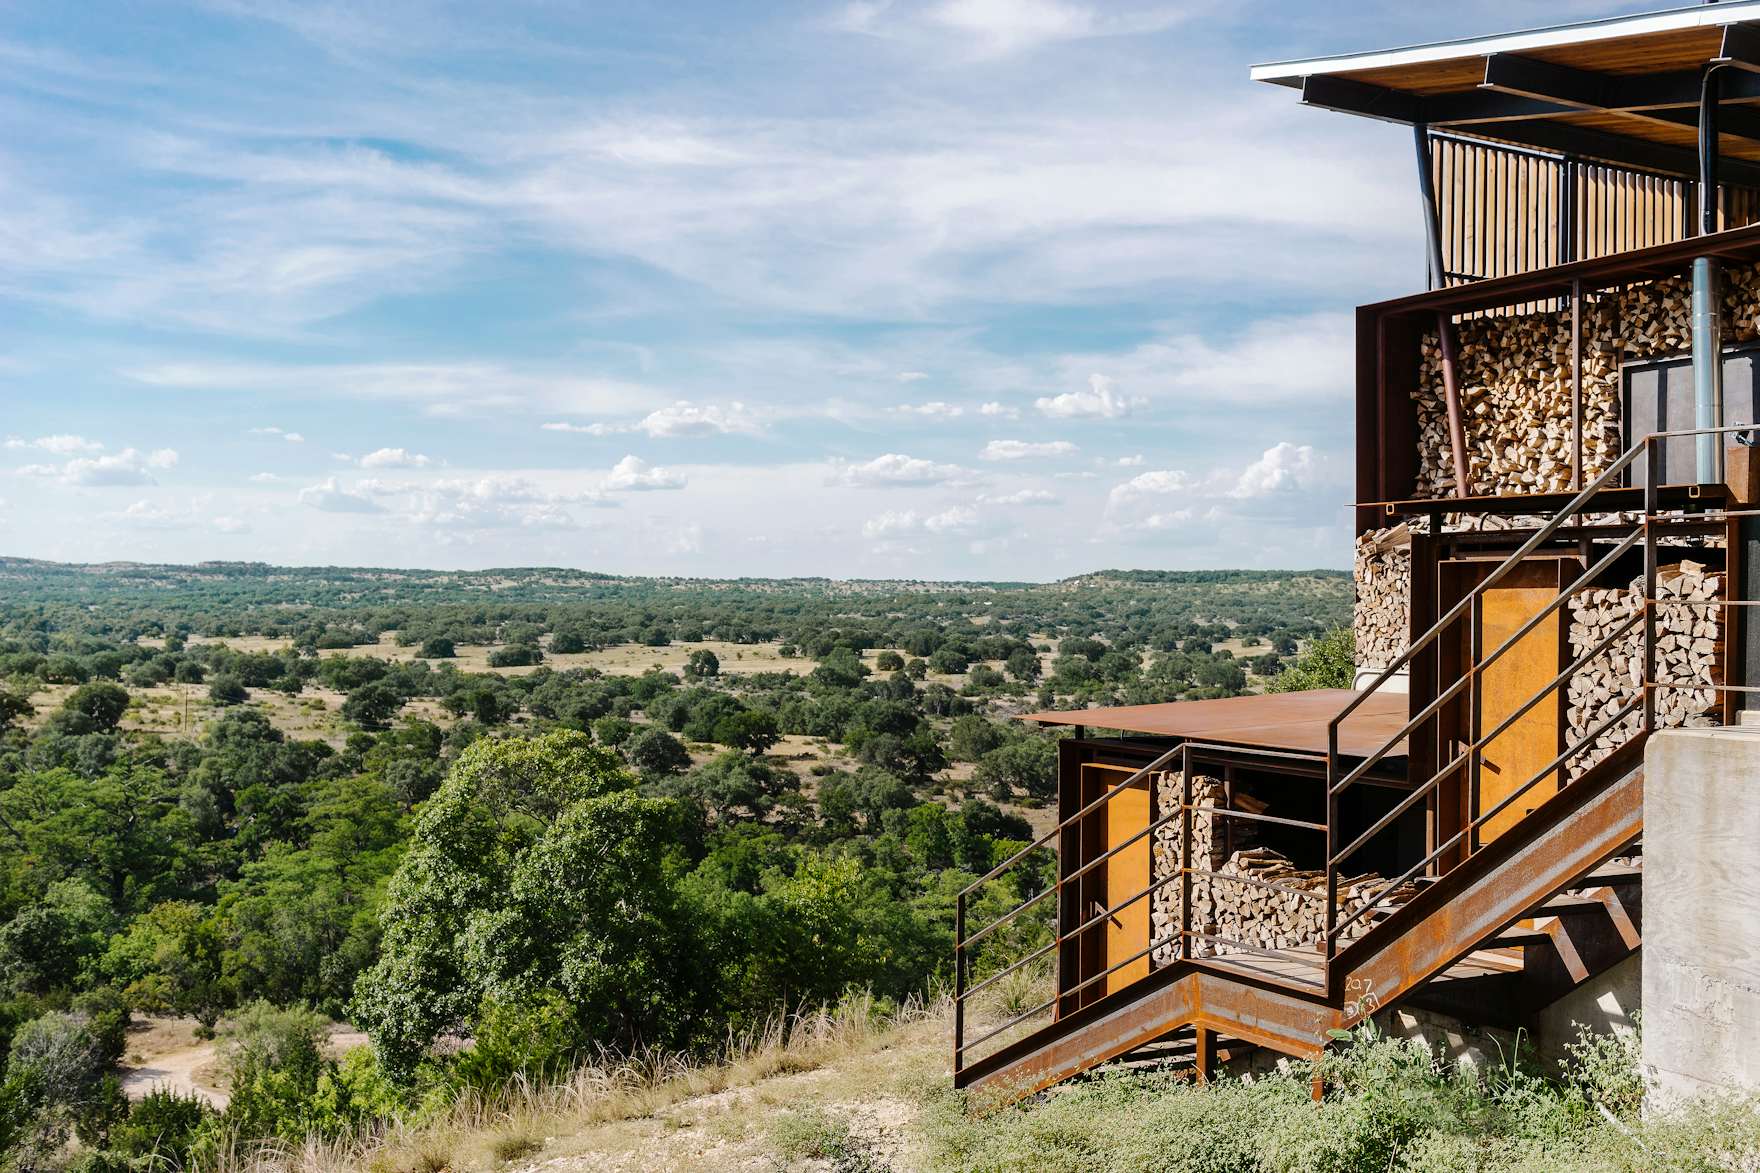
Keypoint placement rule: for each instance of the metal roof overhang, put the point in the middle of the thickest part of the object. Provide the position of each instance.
(1625, 90)
(1292, 721)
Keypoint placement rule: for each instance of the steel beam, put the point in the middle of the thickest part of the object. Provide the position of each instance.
(1741, 47)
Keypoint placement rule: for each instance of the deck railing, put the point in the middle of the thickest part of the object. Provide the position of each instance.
(1617, 540)
(1668, 512)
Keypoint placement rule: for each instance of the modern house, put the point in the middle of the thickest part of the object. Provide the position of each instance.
(1556, 506)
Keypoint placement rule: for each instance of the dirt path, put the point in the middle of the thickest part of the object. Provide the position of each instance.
(180, 1071)
(167, 1055)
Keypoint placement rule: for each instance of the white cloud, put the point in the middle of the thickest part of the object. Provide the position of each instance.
(290, 437)
(1000, 411)
(330, 496)
(232, 525)
(150, 516)
(896, 523)
(578, 429)
(1025, 449)
(997, 28)
(896, 469)
(128, 467)
(1099, 401)
(442, 388)
(932, 410)
(60, 445)
(633, 474)
(891, 524)
(1285, 468)
(683, 418)
(1021, 497)
(1136, 461)
(266, 478)
(1152, 484)
(912, 376)
(394, 458)
(691, 419)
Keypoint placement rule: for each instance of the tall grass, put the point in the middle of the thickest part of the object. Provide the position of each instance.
(485, 1130)
(1391, 1105)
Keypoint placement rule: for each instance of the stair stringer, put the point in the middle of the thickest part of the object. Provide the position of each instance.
(1568, 835)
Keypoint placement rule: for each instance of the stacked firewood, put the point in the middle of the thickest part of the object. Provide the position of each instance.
(1241, 912)
(1689, 650)
(1383, 619)
(1514, 372)
(1226, 907)
(1168, 852)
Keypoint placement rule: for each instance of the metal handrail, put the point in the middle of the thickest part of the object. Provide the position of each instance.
(963, 941)
(1642, 530)
(1424, 791)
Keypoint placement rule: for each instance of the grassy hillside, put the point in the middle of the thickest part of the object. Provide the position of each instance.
(852, 1092)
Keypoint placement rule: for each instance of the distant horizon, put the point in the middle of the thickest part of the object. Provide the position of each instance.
(1291, 572)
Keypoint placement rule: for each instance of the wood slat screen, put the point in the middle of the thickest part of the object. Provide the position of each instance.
(1507, 210)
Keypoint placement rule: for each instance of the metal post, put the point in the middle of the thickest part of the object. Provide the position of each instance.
(1651, 501)
(1576, 385)
(1185, 853)
(1707, 301)
(1432, 217)
(959, 982)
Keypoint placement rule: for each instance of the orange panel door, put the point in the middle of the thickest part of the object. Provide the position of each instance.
(1523, 750)
(1127, 875)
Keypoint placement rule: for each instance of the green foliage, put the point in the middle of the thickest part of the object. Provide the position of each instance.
(372, 705)
(163, 1124)
(702, 665)
(1329, 663)
(534, 868)
(98, 706)
(1390, 1104)
(228, 690)
(656, 753)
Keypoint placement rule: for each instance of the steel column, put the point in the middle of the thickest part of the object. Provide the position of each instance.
(1707, 300)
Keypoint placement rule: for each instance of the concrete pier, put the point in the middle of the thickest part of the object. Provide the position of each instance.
(1701, 958)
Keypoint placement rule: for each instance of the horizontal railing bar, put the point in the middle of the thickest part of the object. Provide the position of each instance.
(1014, 1022)
(1114, 850)
(974, 938)
(1570, 509)
(1076, 989)
(1714, 687)
(998, 976)
(1472, 673)
(1583, 743)
(1064, 826)
(1424, 791)
(1233, 751)
(1316, 894)
(1154, 944)
(1253, 817)
(1317, 961)
(1110, 912)
(1075, 932)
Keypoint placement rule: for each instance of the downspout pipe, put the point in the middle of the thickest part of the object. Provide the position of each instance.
(1707, 297)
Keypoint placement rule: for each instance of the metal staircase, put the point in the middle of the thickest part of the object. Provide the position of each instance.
(1532, 907)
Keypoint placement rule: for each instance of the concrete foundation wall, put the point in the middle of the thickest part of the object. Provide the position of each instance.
(1701, 959)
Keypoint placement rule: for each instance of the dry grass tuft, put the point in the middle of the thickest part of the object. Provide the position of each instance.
(480, 1133)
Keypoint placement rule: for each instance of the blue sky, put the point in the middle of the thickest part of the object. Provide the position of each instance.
(1004, 289)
